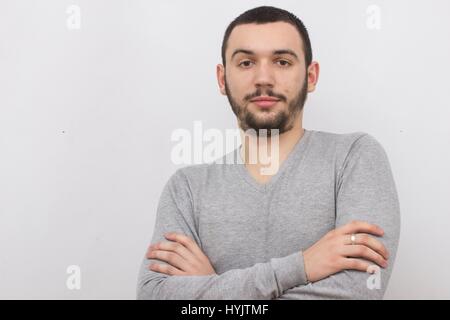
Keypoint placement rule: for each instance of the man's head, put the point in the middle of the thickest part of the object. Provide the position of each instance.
(267, 68)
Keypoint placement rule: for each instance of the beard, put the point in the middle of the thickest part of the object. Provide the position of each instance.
(283, 120)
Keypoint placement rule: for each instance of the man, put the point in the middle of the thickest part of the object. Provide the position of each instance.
(317, 227)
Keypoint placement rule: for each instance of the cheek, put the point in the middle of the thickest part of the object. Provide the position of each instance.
(238, 86)
(290, 86)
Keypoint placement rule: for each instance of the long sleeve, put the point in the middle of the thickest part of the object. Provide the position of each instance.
(260, 281)
(365, 190)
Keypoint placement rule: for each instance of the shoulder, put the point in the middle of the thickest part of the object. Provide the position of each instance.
(199, 176)
(343, 144)
(188, 175)
(344, 150)
(340, 140)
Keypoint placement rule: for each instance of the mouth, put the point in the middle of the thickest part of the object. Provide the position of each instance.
(265, 101)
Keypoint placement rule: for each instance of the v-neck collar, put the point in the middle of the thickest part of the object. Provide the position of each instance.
(295, 156)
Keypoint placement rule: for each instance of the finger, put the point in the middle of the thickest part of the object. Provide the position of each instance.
(171, 258)
(173, 247)
(166, 269)
(356, 264)
(360, 227)
(368, 241)
(360, 251)
(190, 244)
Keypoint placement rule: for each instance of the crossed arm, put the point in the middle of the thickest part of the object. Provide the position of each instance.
(332, 268)
(335, 252)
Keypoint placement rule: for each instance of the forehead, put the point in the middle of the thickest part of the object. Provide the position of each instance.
(265, 38)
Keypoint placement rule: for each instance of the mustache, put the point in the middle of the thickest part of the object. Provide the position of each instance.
(268, 92)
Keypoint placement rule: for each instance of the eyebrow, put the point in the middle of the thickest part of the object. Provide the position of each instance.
(276, 52)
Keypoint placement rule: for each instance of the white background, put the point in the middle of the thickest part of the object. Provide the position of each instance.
(86, 118)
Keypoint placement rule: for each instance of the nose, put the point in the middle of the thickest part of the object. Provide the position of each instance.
(264, 76)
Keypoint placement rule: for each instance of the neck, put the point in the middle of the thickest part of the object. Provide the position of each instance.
(259, 152)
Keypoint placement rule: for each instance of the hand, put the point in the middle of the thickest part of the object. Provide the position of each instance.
(183, 255)
(335, 252)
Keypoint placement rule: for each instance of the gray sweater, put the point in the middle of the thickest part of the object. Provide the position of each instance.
(254, 234)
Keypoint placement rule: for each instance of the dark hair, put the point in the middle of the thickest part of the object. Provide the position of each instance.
(267, 14)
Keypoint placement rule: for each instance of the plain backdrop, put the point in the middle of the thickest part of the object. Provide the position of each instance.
(86, 117)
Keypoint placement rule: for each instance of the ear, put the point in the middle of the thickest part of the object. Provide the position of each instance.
(313, 75)
(220, 72)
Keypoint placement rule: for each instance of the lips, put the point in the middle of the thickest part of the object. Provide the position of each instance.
(265, 102)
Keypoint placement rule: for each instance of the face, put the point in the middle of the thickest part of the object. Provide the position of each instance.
(265, 78)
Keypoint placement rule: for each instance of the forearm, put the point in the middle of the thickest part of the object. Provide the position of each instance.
(261, 281)
(355, 284)
(347, 284)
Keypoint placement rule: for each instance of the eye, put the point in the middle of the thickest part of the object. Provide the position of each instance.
(283, 63)
(245, 64)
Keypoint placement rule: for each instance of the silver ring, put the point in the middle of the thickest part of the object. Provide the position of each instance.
(353, 238)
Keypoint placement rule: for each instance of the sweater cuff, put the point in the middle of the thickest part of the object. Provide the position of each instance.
(289, 271)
